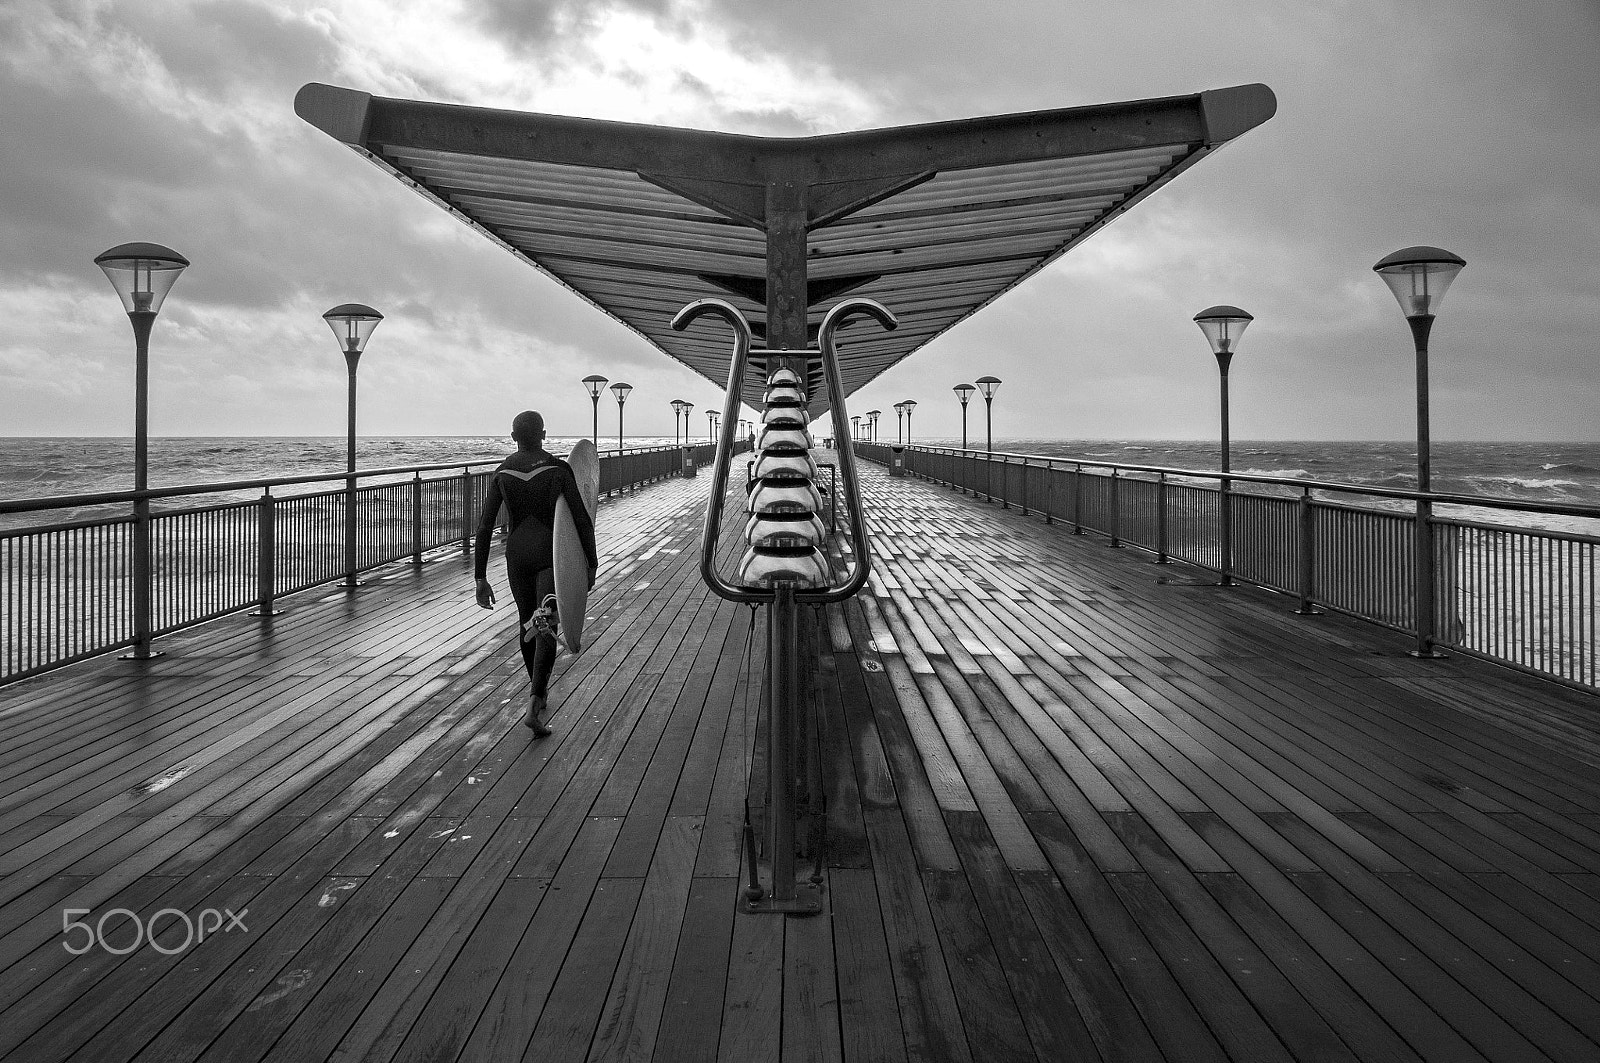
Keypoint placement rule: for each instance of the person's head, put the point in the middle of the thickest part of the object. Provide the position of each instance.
(527, 428)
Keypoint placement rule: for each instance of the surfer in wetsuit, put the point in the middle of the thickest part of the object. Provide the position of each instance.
(528, 484)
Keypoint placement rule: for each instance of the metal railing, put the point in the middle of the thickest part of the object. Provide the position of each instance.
(67, 589)
(1524, 597)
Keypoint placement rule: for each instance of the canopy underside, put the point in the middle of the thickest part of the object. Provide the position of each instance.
(934, 221)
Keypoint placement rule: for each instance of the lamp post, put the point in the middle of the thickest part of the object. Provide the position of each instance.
(964, 392)
(1223, 325)
(910, 405)
(620, 390)
(352, 324)
(677, 414)
(855, 428)
(988, 384)
(595, 384)
(1419, 277)
(711, 423)
(142, 275)
(900, 423)
(872, 424)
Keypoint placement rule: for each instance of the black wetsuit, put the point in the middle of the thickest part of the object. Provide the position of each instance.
(528, 484)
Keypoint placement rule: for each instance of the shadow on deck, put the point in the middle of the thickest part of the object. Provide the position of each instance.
(1072, 814)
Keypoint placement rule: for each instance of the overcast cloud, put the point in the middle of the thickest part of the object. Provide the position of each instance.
(1472, 124)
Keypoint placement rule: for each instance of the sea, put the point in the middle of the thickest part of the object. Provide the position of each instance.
(1566, 474)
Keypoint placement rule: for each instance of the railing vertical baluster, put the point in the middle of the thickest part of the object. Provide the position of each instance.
(466, 510)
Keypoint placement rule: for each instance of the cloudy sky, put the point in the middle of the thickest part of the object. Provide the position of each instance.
(1470, 124)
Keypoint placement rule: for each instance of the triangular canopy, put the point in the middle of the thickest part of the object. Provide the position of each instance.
(934, 221)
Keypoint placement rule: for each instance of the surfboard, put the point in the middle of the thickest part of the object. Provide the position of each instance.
(571, 563)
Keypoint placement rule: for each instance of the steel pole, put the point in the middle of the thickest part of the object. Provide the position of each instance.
(963, 426)
(594, 435)
(782, 633)
(143, 321)
(351, 358)
(1224, 500)
(1421, 326)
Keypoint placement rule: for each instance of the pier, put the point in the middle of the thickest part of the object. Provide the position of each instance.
(1075, 806)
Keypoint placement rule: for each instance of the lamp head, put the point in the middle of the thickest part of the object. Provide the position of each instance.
(963, 392)
(1419, 276)
(909, 404)
(621, 390)
(987, 385)
(595, 383)
(142, 274)
(352, 324)
(1223, 325)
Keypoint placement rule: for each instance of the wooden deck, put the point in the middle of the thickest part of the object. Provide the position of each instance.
(1073, 813)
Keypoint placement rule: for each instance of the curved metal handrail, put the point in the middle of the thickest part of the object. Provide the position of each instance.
(834, 318)
(712, 528)
(724, 461)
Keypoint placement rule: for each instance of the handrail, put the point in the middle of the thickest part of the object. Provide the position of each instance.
(712, 528)
(1484, 501)
(831, 321)
(100, 498)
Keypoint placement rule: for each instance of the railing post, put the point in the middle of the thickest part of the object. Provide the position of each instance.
(1024, 485)
(416, 518)
(1077, 498)
(1423, 561)
(1116, 509)
(266, 556)
(1307, 553)
(1161, 518)
(1049, 492)
(466, 510)
(141, 581)
(1225, 517)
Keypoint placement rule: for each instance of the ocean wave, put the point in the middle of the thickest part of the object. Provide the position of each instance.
(1273, 472)
(1526, 483)
(1570, 466)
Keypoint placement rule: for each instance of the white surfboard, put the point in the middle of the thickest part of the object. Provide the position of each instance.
(571, 563)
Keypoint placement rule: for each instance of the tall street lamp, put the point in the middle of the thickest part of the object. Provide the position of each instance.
(1419, 277)
(1223, 325)
(142, 275)
(711, 424)
(988, 384)
(900, 423)
(595, 385)
(910, 405)
(855, 428)
(620, 390)
(677, 414)
(352, 324)
(964, 392)
(872, 424)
